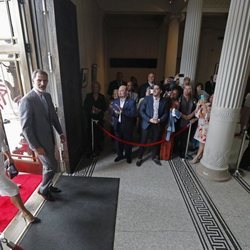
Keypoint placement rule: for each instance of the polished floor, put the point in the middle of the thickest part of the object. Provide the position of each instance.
(171, 207)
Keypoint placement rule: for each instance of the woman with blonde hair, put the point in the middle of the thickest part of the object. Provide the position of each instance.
(202, 112)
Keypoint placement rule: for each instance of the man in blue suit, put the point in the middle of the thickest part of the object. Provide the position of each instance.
(153, 112)
(124, 113)
(38, 118)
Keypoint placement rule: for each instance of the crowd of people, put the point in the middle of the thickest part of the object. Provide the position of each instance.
(147, 109)
(153, 110)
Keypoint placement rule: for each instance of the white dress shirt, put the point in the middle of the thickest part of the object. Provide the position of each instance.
(156, 107)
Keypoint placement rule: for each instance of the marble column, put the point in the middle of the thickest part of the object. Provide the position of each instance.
(172, 45)
(230, 85)
(191, 39)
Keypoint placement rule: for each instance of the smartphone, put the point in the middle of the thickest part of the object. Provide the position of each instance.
(181, 75)
(202, 98)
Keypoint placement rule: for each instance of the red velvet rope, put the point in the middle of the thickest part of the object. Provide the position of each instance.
(140, 144)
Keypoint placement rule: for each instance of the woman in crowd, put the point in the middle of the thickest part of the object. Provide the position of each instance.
(200, 91)
(95, 106)
(202, 112)
(9, 188)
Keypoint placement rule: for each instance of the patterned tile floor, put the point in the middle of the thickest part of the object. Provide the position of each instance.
(170, 207)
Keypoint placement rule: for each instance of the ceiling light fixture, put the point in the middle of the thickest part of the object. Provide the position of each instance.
(176, 5)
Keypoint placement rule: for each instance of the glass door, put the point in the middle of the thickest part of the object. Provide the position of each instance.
(16, 63)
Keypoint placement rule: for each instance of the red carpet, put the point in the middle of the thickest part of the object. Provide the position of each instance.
(29, 183)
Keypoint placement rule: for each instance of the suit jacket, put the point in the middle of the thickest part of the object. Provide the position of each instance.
(37, 123)
(147, 111)
(128, 113)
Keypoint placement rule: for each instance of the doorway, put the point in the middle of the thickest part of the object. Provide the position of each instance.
(16, 63)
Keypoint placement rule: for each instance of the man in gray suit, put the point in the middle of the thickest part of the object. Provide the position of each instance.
(38, 117)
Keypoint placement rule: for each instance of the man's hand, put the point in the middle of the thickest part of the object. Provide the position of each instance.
(184, 116)
(190, 116)
(62, 138)
(154, 121)
(118, 112)
(10, 160)
(40, 151)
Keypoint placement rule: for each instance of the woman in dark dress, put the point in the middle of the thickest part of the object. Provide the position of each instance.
(94, 107)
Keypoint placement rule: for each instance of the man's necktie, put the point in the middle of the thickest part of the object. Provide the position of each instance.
(44, 102)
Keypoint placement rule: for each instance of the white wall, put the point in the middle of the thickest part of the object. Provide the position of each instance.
(144, 40)
(90, 35)
(211, 40)
(100, 40)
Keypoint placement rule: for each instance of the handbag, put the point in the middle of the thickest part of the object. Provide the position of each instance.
(11, 169)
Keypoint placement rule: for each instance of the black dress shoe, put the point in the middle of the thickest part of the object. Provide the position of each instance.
(129, 160)
(118, 158)
(54, 189)
(47, 197)
(30, 219)
(157, 161)
(138, 163)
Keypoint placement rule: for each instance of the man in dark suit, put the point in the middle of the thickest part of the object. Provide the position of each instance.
(210, 85)
(149, 84)
(153, 112)
(123, 113)
(116, 83)
(38, 118)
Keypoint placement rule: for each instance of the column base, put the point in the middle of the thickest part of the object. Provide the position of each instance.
(213, 175)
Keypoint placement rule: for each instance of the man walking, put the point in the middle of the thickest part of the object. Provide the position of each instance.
(38, 118)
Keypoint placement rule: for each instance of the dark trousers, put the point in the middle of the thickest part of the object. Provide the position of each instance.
(50, 167)
(245, 160)
(154, 131)
(125, 134)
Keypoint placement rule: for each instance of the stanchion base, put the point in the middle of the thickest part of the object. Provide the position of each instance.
(91, 155)
(94, 155)
(188, 157)
(236, 172)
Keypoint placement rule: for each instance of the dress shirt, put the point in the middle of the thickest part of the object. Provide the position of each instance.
(122, 101)
(43, 100)
(156, 107)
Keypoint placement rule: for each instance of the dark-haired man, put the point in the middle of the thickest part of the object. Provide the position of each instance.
(38, 118)
(153, 112)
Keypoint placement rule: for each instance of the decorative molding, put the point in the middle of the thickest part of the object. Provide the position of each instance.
(177, 16)
(218, 158)
(210, 226)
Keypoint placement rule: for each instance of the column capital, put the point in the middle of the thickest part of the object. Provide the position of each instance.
(180, 17)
